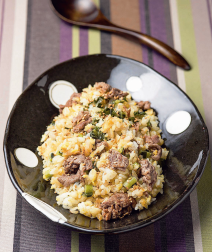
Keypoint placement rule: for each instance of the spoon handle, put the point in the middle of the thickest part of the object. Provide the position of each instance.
(151, 42)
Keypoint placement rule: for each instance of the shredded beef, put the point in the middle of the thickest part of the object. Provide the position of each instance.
(148, 172)
(81, 120)
(102, 143)
(117, 206)
(157, 147)
(67, 179)
(104, 87)
(144, 105)
(117, 160)
(152, 139)
(72, 173)
(73, 163)
(115, 93)
(70, 102)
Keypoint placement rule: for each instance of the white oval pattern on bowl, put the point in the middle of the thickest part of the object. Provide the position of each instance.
(134, 84)
(178, 122)
(60, 92)
(26, 157)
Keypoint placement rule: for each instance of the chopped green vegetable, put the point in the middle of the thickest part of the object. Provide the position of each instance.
(129, 182)
(145, 154)
(53, 123)
(121, 150)
(47, 174)
(94, 164)
(125, 98)
(95, 121)
(88, 190)
(80, 135)
(67, 128)
(118, 101)
(59, 153)
(121, 114)
(149, 125)
(139, 114)
(132, 119)
(100, 102)
(51, 156)
(97, 134)
(127, 155)
(136, 165)
(109, 111)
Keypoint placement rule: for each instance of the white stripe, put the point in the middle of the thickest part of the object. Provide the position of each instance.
(182, 84)
(16, 82)
(177, 41)
(196, 221)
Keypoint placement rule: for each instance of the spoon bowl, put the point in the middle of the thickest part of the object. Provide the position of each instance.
(85, 13)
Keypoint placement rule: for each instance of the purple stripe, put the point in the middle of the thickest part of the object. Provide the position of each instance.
(157, 233)
(143, 14)
(209, 15)
(158, 30)
(65, 41)
(83, 41)
(175, 230)
(84, 243)
(63, 241)
(2, 21)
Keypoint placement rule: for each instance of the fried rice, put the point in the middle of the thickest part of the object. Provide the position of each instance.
(102, 154)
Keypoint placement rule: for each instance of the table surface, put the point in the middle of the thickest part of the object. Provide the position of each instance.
(32, 39)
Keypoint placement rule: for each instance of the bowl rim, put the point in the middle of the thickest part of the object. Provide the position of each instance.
(130, 227)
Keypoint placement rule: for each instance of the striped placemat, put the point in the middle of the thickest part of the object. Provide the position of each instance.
(32, 39)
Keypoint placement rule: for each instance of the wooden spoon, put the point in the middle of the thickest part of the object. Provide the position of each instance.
(85, 13)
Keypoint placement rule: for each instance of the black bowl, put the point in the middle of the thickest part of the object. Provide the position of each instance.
(33, 111)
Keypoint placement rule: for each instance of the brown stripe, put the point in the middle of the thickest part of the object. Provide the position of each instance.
(141, 240)
(126, 13)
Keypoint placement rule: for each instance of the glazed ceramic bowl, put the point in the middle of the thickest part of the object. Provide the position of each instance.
(35, 109)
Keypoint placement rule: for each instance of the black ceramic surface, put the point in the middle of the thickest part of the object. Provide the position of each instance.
(33, 111)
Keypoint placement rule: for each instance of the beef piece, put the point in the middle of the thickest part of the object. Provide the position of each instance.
(80, 126)
(102, 143)
(81, 120)
(115, 93)
(152, 139)
(72, 163)
(67, 179)
(97, 141)
(117, 206)
(148, 172)
(88, 164)
(104, 87)
(117, 160)
(72, 172)
(70, 102)
(144, 105)
(82, 115)
(157, 147)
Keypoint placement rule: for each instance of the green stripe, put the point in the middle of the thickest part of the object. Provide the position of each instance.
(94, 38)
(75, 41)
(97, 243)
(193, 89)
(74, 241)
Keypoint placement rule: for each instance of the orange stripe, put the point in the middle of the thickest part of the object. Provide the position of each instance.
(126, 13)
